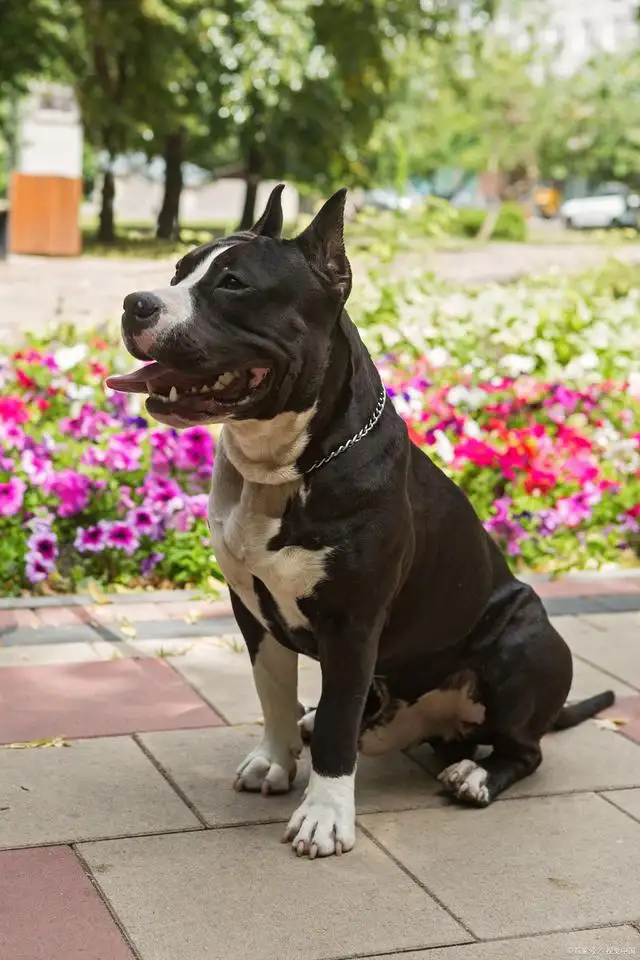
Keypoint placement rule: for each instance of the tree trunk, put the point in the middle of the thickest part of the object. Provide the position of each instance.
(489, 223)
(248, 218)
(168, 226)
(106, 227)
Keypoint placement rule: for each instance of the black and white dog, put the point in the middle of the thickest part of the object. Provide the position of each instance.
(338, 538)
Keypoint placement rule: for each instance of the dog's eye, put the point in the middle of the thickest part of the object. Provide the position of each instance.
(229, 282)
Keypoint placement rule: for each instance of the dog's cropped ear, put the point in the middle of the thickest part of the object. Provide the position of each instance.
(322, 244)
(270, 223)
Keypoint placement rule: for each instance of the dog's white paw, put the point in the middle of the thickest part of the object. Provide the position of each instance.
(267, 769)
(325, 821)
(306, 724)
(466, 780)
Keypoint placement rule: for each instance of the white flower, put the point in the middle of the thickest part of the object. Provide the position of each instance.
(516, 363)
(444, 447)
(68, 357)
(74, 392)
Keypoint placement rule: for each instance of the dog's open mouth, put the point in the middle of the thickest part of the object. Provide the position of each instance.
(169, 389)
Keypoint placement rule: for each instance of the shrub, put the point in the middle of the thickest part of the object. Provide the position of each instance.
(510, 226)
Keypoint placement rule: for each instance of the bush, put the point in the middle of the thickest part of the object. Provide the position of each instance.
(511, 224)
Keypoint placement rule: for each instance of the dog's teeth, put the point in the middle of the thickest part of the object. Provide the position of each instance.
(149, 389)
(173, 395)
(225, 379)
(204, 389)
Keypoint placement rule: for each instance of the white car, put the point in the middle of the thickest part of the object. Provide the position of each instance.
(611, 205)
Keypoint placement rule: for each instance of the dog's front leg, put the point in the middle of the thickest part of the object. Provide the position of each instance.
(324, 823)
(271, 766)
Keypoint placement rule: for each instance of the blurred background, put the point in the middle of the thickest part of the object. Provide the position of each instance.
(126, 123)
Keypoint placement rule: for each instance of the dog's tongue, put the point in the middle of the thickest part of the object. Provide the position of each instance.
(154, 374)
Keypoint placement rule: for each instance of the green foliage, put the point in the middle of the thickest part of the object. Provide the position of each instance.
(511, 224)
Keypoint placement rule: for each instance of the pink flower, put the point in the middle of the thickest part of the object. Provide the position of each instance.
(143, 521)
(92, 539)
(13, 410)
(12, 496)
(72, 489)
(122, 537)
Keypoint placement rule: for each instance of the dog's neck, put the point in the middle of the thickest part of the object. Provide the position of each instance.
(279, 450)
(266, 451)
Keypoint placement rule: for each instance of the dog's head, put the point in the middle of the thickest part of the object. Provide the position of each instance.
(243, 331)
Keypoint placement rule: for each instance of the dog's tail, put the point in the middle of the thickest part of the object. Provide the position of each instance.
(575, 713)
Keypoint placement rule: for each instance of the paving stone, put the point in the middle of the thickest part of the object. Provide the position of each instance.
(605, 941)
(97, 699)
(51, 911)
(599, 587)
(588, 680)
(220, 669)
(93, 788)
(82, 633)
(610, 641)
(582, 759)
(523, 866)
(573, 606)
(58, 616)
(621, 603)
(49, 653)
(171, 629)
(238, 893)
(627, 800)
(203, 764)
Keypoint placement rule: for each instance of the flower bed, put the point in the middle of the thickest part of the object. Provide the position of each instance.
(527, 395)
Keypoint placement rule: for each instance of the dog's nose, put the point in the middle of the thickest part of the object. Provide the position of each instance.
(142, 309)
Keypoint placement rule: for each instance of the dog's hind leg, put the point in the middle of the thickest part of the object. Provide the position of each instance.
(480, 783)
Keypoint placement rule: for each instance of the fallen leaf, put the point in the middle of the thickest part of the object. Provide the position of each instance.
(128, 628)
(192, 617)
(611, 723)
(563, 884)
(96, 593)
(34, 744)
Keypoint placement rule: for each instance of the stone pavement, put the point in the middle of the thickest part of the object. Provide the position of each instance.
(43, 291)
(121, 838)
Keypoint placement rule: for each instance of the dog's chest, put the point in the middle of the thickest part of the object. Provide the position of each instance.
(244, 518)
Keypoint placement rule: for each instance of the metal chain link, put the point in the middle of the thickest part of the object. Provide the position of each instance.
(377, 413)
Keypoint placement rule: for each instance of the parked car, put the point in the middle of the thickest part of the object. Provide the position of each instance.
(611, 205)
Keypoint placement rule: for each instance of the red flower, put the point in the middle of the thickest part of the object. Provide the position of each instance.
(24, 380)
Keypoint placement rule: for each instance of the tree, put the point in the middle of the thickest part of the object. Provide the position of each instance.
(304, 83)
(595, 128)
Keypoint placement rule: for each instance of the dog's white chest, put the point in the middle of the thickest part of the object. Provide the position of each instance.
(244, 518)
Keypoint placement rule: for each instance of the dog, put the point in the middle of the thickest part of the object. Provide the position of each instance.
(340, 539)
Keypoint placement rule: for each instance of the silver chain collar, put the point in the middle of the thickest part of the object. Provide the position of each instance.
(368, 427)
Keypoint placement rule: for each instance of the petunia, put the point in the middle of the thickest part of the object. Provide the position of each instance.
(92, 539)
(12, 496)
(122, 537)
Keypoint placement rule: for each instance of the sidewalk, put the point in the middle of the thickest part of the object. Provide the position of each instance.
(121, 838)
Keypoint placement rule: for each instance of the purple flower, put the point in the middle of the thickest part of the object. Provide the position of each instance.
(11, 496)
(36, 568)
(43, 544)
(72, 488)
(91, 539)
(150, 562)
(143, 521)
(122, 537)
